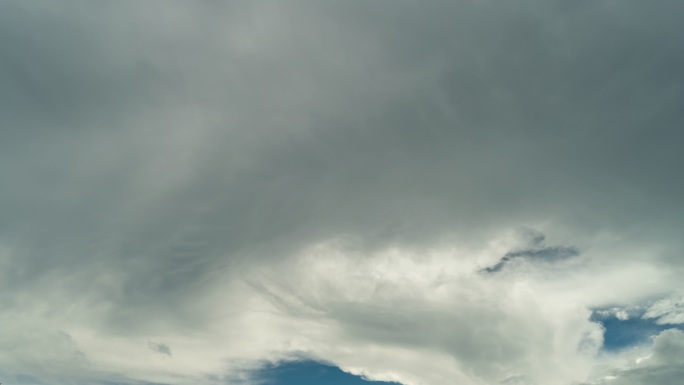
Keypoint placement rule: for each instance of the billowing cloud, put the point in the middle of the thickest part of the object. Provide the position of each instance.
(252, 182)
(662, 365)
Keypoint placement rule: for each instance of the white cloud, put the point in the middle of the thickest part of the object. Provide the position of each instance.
(669, 310)
(664, 364)
(419, 316)
(532, 323)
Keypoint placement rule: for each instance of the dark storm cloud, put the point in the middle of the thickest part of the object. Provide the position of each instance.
(150, 150)
(388, 137)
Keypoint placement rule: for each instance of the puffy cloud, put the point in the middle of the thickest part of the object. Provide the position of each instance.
(619, 313)
(662, 365)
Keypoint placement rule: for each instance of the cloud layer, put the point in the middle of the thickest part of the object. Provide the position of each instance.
(424, 193)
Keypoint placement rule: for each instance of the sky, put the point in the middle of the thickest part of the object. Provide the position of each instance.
(299, 192)
(311, 373)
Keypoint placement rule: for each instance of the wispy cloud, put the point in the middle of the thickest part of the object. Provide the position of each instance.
(159, 348)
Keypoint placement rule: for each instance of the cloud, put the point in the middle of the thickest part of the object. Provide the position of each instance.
(619, 313)
(253, 181)
(669, 310)
(490, 330)
(159, 348)
(663, 365)
(543, 254)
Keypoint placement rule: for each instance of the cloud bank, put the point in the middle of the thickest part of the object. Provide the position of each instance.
(423, 193)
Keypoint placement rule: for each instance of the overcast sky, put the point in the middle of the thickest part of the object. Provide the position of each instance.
(471, 192)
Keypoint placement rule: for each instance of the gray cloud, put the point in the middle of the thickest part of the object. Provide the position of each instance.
(554, 253)
(159, 347)
(159, 160)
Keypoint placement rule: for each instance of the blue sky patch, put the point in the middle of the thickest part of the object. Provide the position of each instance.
(623, 333)
(311, 373)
